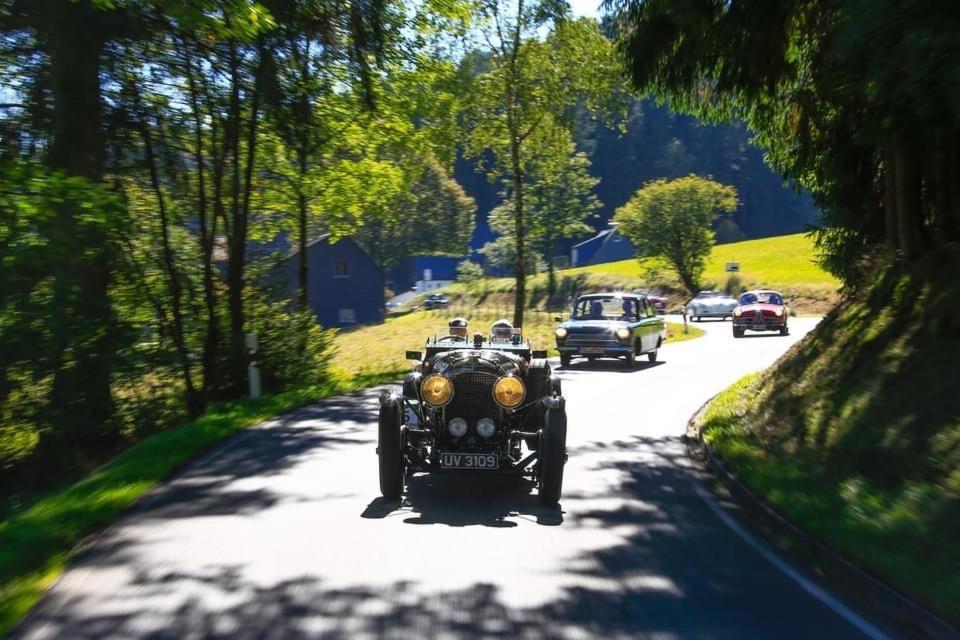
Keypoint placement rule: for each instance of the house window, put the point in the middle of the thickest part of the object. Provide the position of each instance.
(347, 316)
(341, 268)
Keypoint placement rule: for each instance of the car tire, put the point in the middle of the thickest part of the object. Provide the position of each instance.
(553, 454)
(737, 333)
(539, 386)
(565, 359)
(390, 448)
(652, 355)
(631, 359)
(784, 331)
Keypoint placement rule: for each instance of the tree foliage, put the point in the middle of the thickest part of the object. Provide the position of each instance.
(856, 100)
(672, 219)
(527, 86)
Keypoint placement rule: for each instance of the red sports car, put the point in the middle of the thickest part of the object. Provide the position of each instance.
(658, 301)
(760, 311)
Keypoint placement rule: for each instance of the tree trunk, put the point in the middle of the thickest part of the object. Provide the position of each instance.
(83, 326)
(303, 274)
(520, 296)
(192, 399)
(890, 197)
(909, 210)
(208, 232)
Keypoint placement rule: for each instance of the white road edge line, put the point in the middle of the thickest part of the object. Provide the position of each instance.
(863, 625)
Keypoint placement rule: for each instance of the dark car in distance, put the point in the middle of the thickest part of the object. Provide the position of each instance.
(611, 325)
(435, 301)
(486, 404)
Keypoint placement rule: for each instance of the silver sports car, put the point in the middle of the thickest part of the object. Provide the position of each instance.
(711, 304)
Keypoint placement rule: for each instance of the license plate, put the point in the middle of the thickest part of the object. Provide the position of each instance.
(591, 349)
(468, 460)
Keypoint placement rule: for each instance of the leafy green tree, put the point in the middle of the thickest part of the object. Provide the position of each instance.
(469, 271)
(501, 253)
(672, 219)
(433, 216)
(538, 65)
(561, 201)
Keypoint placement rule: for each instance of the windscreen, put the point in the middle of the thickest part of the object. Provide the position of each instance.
(763, 297)
(612, 308)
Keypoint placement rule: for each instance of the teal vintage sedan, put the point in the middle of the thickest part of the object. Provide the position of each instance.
(611, 325)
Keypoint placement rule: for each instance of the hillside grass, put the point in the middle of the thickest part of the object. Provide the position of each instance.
(783, 262)
(38, 540)
(378, 350)
(855, 433)
(786, 263)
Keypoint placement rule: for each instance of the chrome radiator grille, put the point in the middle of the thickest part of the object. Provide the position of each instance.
(472, 397)
(598, 339)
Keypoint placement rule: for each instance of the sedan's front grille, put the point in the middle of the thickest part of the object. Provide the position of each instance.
(595, 339)
(472, 397)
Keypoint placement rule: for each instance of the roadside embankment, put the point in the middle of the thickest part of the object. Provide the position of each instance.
(854, 434)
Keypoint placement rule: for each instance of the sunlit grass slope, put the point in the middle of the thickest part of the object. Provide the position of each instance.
(855, 433)
(782, 261)
(379, 349)
(786, 263)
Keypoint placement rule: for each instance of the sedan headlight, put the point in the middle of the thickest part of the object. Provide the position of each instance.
(623, 333)
(486, 427)
(779, 312)
(436, 390)
(509, 392)
(738, 312)
(561, 333)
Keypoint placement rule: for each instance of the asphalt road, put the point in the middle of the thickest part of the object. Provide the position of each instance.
(281, 533)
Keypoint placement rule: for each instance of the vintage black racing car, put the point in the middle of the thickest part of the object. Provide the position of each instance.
(486, 404)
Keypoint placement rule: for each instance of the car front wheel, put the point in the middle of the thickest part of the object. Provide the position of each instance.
(390, 448)
(784, 331)
(737, 333)
(565, 359)
(553, 454)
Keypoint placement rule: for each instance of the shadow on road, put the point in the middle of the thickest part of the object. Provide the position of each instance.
(466, 500)
(665, 567)
(613, 366)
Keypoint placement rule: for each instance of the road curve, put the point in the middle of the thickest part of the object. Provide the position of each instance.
(281, 533)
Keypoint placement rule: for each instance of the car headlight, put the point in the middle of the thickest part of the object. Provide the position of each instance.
(486, 427)
(509, 392)
(457, 427)
(738, 312)
(436, 390)
(623, 333)
(561, 333)
(779, 312)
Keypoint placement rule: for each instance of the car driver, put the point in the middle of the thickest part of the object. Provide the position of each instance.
(627, 311)
(458, 327)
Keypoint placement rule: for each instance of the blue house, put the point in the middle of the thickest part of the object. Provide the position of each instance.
(345, 286)
(607, 246)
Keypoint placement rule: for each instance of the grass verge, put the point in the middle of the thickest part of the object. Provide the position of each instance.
(379, 349)
(37, 542)
(855, 433)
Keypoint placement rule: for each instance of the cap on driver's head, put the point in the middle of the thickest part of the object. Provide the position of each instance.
(458, 327)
